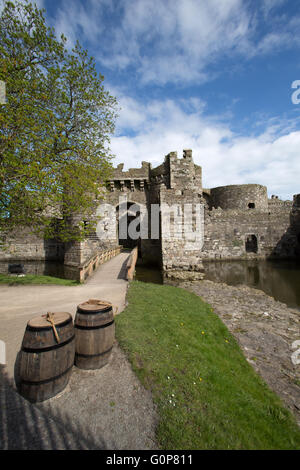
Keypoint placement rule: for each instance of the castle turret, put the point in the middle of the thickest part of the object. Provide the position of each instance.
(240, 197)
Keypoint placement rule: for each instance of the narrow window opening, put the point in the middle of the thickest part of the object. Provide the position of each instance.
(251, 205)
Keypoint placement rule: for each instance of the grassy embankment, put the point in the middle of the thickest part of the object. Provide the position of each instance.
(32, 279)
(207, 395)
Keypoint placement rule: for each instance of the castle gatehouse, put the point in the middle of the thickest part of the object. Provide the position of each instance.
(176, 223)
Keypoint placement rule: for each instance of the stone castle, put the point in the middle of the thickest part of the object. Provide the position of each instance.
(240, 222)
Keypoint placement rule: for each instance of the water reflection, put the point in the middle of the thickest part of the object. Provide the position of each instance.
(148, 274)
(279, 279)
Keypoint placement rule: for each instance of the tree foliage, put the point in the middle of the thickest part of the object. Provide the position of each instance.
(54, 128)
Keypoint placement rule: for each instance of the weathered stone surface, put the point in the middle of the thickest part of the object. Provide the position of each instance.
(184, 275)
(240, 197)
(24, 244)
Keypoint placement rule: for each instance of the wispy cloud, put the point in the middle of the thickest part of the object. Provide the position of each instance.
(268, 5)
(174, 40)
(76, 19)
(271, 158)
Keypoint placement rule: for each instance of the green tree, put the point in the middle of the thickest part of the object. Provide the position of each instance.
(54, 127)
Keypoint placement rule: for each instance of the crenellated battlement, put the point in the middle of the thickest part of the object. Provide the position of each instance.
(173, 173)
(239, 221)
(134, 179)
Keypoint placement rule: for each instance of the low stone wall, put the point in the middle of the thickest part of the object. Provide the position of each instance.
(184, 275)
(131, 263)
(35, 267)
(82, 272)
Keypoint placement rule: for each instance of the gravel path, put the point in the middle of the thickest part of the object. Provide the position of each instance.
(102, 409)
(265, 329)
(99, 409)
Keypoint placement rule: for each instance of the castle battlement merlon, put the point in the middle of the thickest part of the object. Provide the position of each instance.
(173, 173)
(133, 178)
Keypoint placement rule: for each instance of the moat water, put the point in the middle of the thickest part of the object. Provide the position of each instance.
(279, 279)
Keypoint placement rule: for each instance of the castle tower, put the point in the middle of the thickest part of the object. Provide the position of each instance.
(182, 218)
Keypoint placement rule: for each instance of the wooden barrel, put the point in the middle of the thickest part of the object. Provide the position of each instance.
(46, 361)
(94, 334)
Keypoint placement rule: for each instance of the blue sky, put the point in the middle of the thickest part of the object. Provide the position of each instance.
(211, 75)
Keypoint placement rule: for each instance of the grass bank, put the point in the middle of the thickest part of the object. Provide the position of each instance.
(207, 395)
(32, 279)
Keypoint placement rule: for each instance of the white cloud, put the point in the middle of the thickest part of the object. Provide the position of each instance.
(75, 19)
(175, 40)
(272, 158)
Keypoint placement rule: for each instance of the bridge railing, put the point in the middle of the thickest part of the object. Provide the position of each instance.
(83, 271)
(131, 263)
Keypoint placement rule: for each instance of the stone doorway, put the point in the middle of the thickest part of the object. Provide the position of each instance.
(251, 244)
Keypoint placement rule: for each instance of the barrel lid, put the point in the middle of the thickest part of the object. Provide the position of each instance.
(41, 321)
(94, 305)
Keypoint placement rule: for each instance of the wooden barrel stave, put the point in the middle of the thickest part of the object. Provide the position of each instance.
(43, 390)
(45, 365)
(94, 336)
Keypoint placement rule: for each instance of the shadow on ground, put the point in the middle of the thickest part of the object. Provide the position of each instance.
(24, 425)
(123, 271)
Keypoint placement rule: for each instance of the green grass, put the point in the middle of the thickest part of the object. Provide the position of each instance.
(207, 395)
(32, 279)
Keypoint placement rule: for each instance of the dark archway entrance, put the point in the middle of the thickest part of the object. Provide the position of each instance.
(251, 244)
(126, 214)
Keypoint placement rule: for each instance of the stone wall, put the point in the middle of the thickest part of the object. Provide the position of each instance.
(226, 233)
(275, 204)
(130, 180)
(22, 244)
(295, 224)
(35, 267)
(243, 197)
